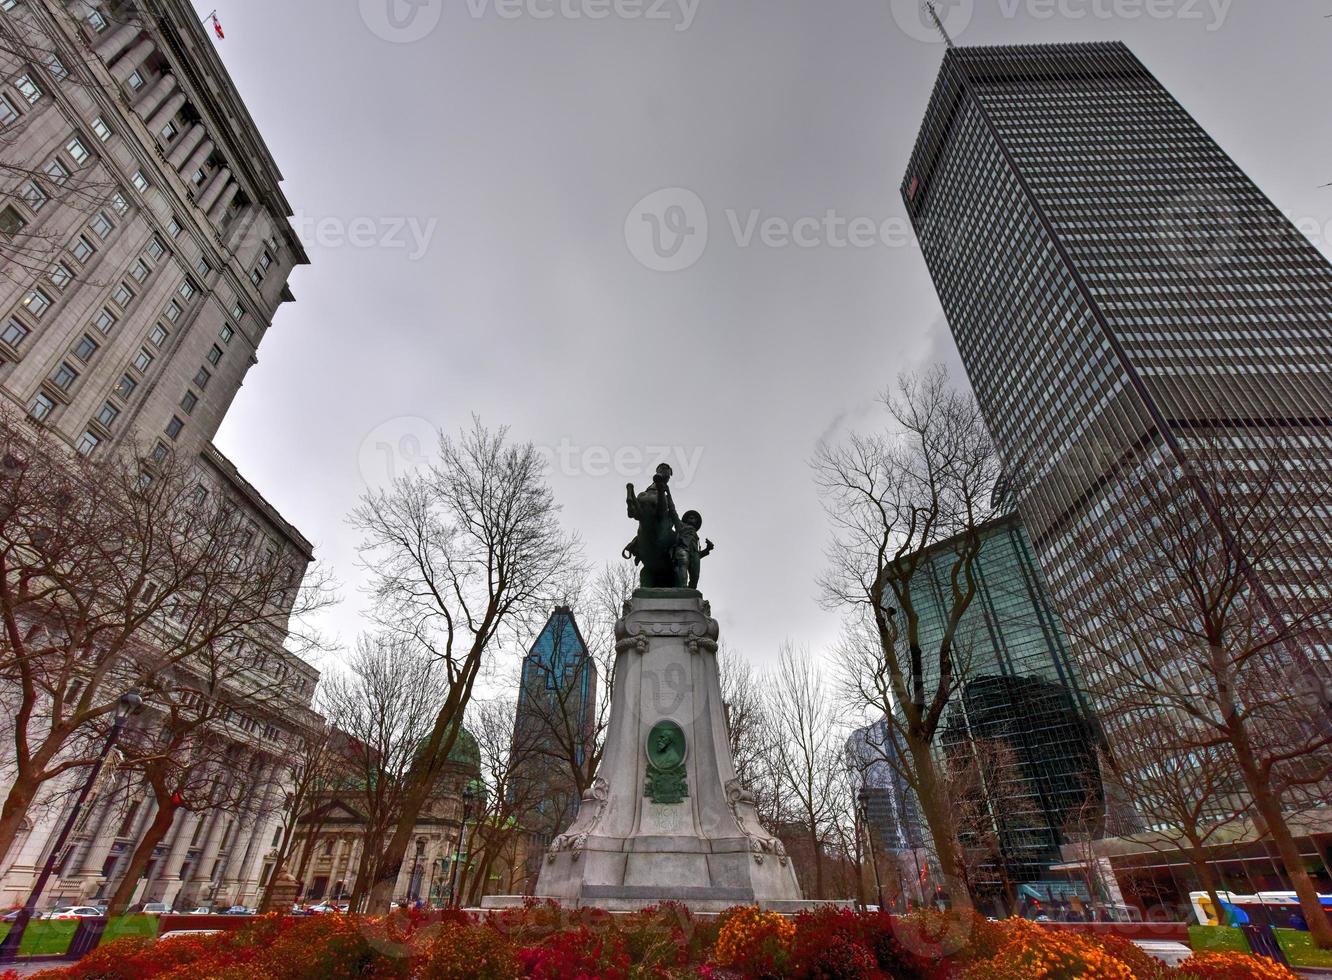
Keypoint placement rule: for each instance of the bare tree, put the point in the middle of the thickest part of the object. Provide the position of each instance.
(115, 573)
(310, 770)
(749, 728)
(1217, 614)
(383, 706)
(505, 753)
(807, 752)
(901, 502)
(460, 553)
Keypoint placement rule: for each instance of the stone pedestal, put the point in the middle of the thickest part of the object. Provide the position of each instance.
(666, 818)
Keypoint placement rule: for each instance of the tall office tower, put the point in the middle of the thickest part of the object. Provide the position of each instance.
(144, 249)
(1126, 301)
(554, 727)
(891, 818)
(1019, 740)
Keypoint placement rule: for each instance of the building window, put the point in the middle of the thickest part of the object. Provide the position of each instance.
(226, 333)
(199, 177)
(119, 204)
(122, 296)
(155, 248)
(100, 129)
(60, 275)
(108, 414)
(36, 302)
(33, 195)
(173, 427)
(77, 150)
(55, 66)
(27, 88)
(11, 222)
(202, 378)
(143, 360)
(57, 171)
(104, 320)
(173, 311)
(187, 289)
(160, 452)
(159, 335)
(215, 355)
(83, 249)
(257, 277)
(135, 81)
(64, 376)
(15, 332)
(125, 386)
(139, 272)
(203, 268)
(237, 313)
(101, 225)
(97, 22)
(41, 406)
(7, 111)
(85, 348)
(174, 227)
(169, 132)
(140, 182)
(87, 443)
(188, 402)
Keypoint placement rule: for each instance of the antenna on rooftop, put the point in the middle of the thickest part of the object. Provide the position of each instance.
(938, 23)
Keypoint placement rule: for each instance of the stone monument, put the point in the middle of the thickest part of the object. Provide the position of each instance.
(666, 818)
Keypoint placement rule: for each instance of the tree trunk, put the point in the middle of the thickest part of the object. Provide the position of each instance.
(1320, 928)
(16, 806)
(816, 852)
(363, 874)
(1207, 878)
(939, 818)
(153, 836)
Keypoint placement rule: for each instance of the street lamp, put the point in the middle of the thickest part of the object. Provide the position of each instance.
(468, 794)
(82, 942)
(863, 799)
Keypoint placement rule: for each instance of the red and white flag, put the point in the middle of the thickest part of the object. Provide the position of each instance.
(217, 26)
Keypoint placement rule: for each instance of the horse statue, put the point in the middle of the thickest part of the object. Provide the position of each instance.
(654, 544)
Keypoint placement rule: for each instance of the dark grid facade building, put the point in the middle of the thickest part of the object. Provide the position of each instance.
(1123, 296)
(1018, 723)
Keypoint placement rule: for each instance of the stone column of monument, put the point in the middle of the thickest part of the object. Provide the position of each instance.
(666, 818)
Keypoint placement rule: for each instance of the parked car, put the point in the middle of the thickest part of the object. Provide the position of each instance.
(201, 910)
(322, 909)
(10, 916)
(237, 910)
(75, 912)
(178, 933)
(157, 908)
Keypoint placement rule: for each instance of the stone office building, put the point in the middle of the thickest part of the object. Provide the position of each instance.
(145, 246)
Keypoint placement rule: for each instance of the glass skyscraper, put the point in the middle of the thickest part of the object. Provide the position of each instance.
(1123, 296)
(1019, 739)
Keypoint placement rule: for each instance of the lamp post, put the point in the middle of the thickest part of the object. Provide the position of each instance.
(467, 795)
(129, 702)
(863, 799)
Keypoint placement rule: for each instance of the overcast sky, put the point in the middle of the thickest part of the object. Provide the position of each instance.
(555, 219)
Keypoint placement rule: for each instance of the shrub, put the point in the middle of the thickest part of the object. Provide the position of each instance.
(1232, 966)
(831, 944)
(1032, 953)
(657, 939)
(577, 954)
(464, 952)
(755, 944)
(335, 947)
